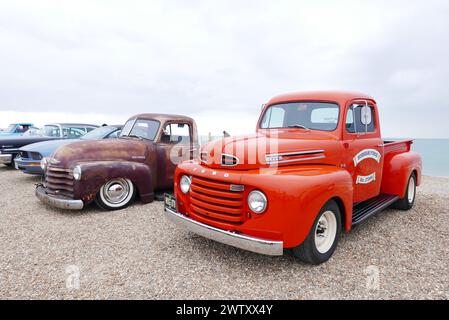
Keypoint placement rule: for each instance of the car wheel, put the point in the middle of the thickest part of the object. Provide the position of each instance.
(323, 237)
(408, 201)
(116, 194)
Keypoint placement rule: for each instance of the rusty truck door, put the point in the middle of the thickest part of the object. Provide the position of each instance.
(174, 145)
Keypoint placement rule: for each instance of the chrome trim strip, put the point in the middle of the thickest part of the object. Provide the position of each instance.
(267, 247)
(57, 202)
(296, 160)
(298, 153)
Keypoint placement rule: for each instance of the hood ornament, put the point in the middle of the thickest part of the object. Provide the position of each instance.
(54, 161)
(229, 160)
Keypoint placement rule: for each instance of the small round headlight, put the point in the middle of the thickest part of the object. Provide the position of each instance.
(184, 184)
(77, 173)
(257, 201)
(44, 162)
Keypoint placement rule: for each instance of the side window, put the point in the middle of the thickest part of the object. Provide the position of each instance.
(360, 119)
(350, 120)
(176, 133)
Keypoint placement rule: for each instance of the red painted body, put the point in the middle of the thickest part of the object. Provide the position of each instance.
(298, 188)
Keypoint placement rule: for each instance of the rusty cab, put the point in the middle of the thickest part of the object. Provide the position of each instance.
(112, 172)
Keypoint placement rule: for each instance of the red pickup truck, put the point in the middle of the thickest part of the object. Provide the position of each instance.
(316, 165)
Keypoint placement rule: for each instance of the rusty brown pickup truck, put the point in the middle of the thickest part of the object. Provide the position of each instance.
(112, 172)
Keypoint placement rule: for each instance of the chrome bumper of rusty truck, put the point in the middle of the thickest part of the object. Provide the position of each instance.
(57, 202)
(267, 247)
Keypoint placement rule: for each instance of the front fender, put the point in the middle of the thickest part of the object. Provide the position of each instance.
(296, 196)
(97, 173)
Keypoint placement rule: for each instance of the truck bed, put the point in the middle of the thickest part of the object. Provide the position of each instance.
(397, 146)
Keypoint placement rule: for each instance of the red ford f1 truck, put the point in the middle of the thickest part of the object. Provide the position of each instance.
(316, 165)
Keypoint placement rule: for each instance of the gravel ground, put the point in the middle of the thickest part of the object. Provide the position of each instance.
(135, 254)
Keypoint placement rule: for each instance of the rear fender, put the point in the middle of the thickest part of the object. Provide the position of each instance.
(97, 173)
(397, 169)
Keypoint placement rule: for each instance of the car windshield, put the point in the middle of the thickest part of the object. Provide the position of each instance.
(51, 131)
(301, 115)
(10, 128)
(98, 133)
(146, 129)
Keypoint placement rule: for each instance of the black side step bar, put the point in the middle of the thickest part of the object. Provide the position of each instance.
(365, 209)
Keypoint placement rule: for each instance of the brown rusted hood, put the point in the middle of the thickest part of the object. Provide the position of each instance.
(102, 150)
(277, 148)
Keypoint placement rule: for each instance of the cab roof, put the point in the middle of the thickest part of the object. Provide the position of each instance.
(162, 117)
(337, 96)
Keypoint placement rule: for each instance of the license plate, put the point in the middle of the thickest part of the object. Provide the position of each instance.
(170, 202)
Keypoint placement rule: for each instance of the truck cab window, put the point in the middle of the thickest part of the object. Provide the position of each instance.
(176, 132)
(306, 115)
(358, 120)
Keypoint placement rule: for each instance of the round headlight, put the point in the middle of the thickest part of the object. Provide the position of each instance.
(77, 173)
(184, 184)
(257, 201)
(44, 163)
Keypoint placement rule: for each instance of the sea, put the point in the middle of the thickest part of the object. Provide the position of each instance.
(435, 156)
(434, 153)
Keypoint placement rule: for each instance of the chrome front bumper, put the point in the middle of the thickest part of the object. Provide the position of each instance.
(57, 202)
(5, 158)
(267, 247)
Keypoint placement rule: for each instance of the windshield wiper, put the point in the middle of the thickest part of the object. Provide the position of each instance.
(300, 126)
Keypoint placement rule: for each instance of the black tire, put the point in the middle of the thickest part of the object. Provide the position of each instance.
(405, 203)
(307, 251)
(104, 201)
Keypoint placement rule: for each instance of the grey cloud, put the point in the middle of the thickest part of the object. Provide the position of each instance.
(197, 57)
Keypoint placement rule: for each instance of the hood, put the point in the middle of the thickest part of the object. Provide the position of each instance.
(274, 148)
(46, 148)
(101, 150)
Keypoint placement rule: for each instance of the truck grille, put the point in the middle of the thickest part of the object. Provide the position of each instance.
(59, 181)
(214, 201)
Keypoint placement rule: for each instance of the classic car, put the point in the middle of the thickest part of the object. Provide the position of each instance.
(112, 172)
(316, 165)
(16, 129)
(30, 156)
(9, 146)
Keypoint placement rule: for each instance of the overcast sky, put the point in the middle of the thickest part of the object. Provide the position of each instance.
(218, 61)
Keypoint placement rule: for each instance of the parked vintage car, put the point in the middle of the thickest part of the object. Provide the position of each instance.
(112, 172)
(317, 164)
(30, 156)
(16, 129)
(9, 146)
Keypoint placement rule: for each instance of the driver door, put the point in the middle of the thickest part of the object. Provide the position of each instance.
(175, 145)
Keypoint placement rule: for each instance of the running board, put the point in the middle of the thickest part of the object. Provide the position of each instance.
(366, 209)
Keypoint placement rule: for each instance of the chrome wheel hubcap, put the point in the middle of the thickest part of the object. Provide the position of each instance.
(116, 191)
(325, 232)
(411, 190)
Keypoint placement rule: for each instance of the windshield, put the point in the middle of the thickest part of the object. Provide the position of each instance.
(146, 129)
(51, 131)
(10, 128)
(302, 115)
(98, 133)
